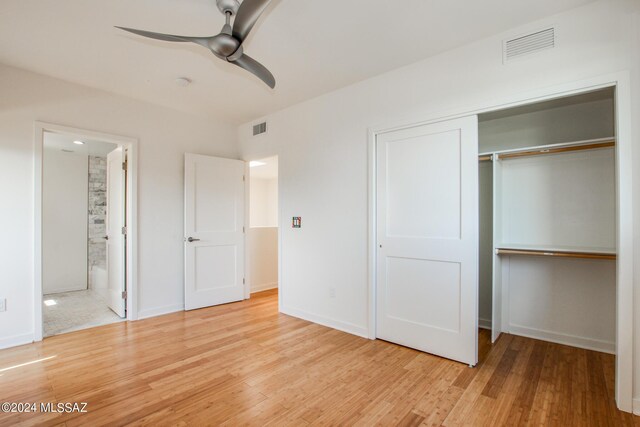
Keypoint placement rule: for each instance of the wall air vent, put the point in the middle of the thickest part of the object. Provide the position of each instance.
(260, 128)
(528, 44)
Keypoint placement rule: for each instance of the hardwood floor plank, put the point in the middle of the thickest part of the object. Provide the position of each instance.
(246, 364)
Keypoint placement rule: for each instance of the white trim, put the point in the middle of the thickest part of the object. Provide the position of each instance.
(64, 290)
(624, 309)
(565, 339)
(16, 340)
(484, 323)
(159, 311)
(636, 406)
(349, 328)
(131, 144)
(373, 234)
(247, 220)
(625, 258)
(263, 287)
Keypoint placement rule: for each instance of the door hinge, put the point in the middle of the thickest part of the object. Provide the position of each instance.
(124, 295)
(243, 280)
(124, 231)
(124, 166)
(243, 229)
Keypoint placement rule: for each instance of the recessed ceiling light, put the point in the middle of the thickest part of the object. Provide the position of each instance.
(256, 164)
(78, 142)
(50, 302)
(183, 81)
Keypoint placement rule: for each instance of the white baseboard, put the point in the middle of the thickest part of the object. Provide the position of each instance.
(347, 327)
(159, 311)
(16, 340)
(566, 339)
(484, 323)
(64, 290)
(263, 287)
(636, 406)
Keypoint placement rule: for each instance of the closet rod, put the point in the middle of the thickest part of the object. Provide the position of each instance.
(558, 254)
(539, 152)
(485, 158)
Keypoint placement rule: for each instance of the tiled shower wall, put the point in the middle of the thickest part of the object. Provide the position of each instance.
(97, 214)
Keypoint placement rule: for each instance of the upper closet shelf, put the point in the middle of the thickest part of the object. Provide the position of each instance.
(557, 251)
(590, 144)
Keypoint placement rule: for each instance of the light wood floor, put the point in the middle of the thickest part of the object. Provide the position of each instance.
(246, 364)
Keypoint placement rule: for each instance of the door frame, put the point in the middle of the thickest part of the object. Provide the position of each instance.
(131, 145)
(621, 82)
(247, 220)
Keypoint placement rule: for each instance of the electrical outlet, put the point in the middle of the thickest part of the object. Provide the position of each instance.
(3, 304)
(332, 292)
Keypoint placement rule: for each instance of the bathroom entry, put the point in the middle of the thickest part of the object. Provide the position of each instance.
(263, 219)
(83, 220)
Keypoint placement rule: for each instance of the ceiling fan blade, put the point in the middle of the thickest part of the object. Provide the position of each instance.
(256, 68)
(248, 14)
(167, 37)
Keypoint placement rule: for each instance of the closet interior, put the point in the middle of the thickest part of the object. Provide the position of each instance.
(547, 256)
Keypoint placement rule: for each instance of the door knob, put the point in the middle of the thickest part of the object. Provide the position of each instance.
(191, 240)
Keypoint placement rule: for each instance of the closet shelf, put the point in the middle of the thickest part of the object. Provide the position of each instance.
(584, 254)
(557, 150)
(591, 144)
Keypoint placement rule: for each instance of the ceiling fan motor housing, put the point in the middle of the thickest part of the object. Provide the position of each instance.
(228, 6)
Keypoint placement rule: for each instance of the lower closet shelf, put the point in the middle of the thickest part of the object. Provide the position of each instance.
(556, 253)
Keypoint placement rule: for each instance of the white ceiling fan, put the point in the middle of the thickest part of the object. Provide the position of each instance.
(227, 45)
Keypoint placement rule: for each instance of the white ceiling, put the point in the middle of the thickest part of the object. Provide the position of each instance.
(311, 46)
(57, 141)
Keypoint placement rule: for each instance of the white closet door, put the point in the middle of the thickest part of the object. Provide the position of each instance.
(427, 228)
(214, 231)
(497, 301)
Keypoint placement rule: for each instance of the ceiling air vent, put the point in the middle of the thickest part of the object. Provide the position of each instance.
(528, 44)
(260, 128)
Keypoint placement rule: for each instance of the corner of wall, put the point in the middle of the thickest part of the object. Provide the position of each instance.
(16, 340)
(349, 328)
(159, 311)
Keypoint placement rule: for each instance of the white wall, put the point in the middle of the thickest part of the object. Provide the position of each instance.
(64, 221)
(263, 258)
(263, 234)
(164, 136)
(552, 125)
(264, 202)
(322, 146)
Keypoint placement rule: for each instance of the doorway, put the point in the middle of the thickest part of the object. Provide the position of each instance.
(82, 254)
(263, 225)
(84, 240)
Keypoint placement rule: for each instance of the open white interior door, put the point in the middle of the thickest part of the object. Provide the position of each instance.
(214, 231)
(427, 230)
(115, 223)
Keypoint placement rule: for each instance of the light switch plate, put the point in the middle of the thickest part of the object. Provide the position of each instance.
(3, 304)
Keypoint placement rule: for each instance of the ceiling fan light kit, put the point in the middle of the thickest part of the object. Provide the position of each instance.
(228, 44)
(228, 6)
